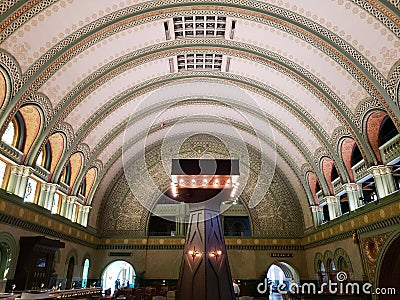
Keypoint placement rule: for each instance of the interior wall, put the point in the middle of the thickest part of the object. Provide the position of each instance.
(61, 264)
(253, 264)
(351, 248)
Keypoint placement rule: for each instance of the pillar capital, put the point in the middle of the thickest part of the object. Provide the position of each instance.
(21, 170)
(380, 170)
(331, 199)
(316, 211)
(73, 199)
(384, 181)
(352, 187)
(84, 208)
(51, 187)
(18, 179)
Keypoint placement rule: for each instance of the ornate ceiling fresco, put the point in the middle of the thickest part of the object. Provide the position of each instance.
(310, 76)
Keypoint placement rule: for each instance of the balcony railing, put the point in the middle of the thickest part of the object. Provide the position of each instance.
(337, 186)
(11, 152)
(360, 170)
(390, 150)
(42, 172)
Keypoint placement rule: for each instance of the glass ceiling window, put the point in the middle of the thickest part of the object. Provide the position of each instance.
(199, 26)
(199, 61)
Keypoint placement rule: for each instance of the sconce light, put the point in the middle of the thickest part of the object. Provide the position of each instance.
(216, 253)
(194, 253)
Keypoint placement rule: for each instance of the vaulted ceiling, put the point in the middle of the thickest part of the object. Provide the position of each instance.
(287, 79)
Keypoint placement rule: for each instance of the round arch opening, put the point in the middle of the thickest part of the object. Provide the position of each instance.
(281, 273)
(117, 274)
(389, 275)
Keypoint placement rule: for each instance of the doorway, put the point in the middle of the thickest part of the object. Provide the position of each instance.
(389, 276)
(70, 273)
(118, 274)
(280, 273)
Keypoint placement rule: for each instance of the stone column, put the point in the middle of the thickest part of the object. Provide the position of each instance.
(43, 195)
(354, 193)
(333, 206)
(80, 214)
(384, 182)
(18, 180)
(71, 200)
(50, 199)
(316, 211)
(46, 195)
(85, 215)
(64, 206)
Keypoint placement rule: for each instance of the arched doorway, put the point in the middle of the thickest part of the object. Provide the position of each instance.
(119, 273)
(70, 273)
(281, 273)
(389, 275)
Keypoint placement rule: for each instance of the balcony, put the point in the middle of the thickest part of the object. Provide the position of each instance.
(360, 171)
(390, 151)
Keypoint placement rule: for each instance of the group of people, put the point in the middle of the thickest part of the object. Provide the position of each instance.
(119, 285)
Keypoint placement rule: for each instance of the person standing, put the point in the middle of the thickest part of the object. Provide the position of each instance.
(236, 289)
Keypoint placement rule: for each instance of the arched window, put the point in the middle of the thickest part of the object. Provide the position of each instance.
(236, 226)
(44, 158)
(356, 156)
(332, 266)
(85, 272)
(82, 189)
(66, 178)
(335, 173)
(322, 273)
(387, 131)
(343, 266)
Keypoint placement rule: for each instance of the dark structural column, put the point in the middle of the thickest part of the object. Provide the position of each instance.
(204, 184)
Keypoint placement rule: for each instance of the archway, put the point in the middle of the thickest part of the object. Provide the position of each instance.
(389, 276)
(70, 273)
(332, 270)
(85, 272)
(281, 273)
(118, 274)
(323, 277)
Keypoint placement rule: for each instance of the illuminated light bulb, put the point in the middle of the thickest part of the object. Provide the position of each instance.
(194, 253)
